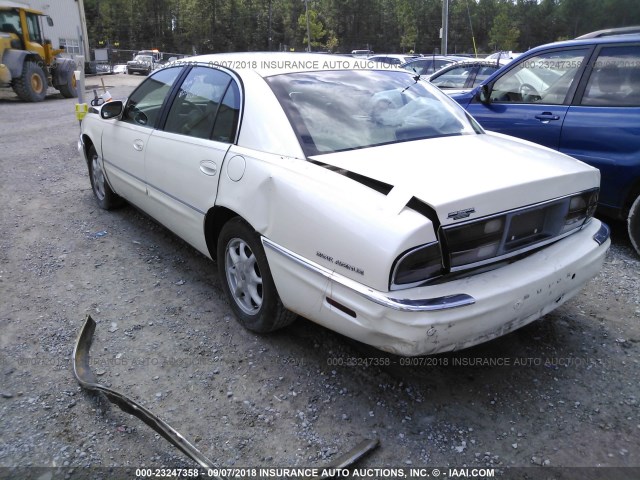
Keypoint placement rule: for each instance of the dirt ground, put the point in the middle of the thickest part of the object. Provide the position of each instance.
(557, 395)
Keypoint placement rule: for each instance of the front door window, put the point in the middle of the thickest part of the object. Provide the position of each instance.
(545, 78)
(143, 107)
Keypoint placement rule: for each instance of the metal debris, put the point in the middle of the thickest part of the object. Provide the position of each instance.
(87, 379)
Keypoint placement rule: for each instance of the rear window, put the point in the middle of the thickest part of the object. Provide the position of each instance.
(333, 111)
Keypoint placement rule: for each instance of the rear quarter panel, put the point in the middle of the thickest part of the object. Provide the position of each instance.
(322, 215)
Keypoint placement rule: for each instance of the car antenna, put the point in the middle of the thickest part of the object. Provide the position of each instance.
(416, 79)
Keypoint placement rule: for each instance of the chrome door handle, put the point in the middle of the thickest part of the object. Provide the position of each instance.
(546, 117)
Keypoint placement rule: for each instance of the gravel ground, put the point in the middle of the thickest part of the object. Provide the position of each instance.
(559, 394)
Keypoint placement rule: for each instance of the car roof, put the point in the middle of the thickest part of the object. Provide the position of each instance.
(587, 40)
(6, 5)
(611, 31)
(424, 58)
(440, 57)
(475, 61)
(468, 63)
(395, 55)
(268, 64)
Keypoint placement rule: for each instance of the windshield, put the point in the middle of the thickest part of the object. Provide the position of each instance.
(332, 111)
(143, 59)
(10, 22)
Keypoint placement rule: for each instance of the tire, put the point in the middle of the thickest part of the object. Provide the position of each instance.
(31, 86)
(70, 87)
(129, 72)
(107, 199)
(633, 224)
(246, 279)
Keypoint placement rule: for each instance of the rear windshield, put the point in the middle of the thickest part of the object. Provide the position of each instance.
(332, 111)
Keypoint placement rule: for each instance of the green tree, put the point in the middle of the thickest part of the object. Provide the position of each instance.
(316, 28)
(504, 34)
(208, 26)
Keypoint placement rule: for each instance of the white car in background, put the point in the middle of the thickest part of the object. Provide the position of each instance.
(463, 76)
(503, 55)
(362, 199)
(392, 58)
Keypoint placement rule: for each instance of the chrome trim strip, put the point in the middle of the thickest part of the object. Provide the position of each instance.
(401, 304)
(603, 234)
(519, 209)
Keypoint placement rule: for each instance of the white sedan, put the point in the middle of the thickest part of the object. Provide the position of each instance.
(364, 200)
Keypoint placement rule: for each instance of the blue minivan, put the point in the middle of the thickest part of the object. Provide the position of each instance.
(581, 97)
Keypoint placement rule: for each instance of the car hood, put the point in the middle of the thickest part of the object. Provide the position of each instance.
(486, 173)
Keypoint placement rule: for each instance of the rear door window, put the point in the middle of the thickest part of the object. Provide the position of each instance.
(195, 108)
(614, 80)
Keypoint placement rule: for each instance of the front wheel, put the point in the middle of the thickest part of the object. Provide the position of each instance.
(633, 224)
(247, 281)
(31, 86)
(106, 197)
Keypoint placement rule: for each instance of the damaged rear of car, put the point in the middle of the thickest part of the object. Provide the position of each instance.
(460, 237)
(364, 200)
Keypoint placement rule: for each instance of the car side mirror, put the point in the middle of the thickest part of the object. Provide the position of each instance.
(112, 109)
(49, 21)
(484, 94)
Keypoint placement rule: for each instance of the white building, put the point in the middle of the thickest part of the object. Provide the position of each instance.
(69, 29)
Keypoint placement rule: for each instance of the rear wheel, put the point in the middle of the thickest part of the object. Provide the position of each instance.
(633, 224)
(31, 86)
(70, 88)
(247, 281)
(106, 198)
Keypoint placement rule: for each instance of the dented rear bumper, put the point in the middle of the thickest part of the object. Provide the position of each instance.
(447, 316)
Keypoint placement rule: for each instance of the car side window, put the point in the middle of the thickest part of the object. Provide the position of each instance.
(545, 78)
(438, 65)
(483, 74)
(198, 102)
(615, 78)
(226, 124)
(144, 104)
(454, 78)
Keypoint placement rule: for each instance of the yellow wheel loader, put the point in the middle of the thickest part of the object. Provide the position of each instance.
(28, 62)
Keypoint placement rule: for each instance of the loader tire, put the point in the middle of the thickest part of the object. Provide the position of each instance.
(31, 86)
(70, 88)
